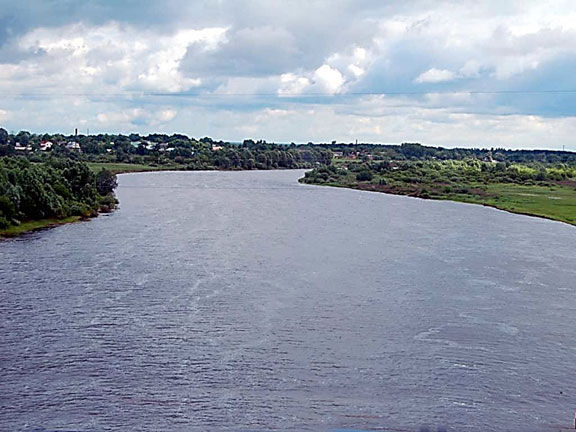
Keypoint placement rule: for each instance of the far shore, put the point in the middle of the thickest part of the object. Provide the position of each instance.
(462, 199)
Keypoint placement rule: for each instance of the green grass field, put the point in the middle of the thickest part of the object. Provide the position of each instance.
(555, 202)
(118, 168)
(514, 188)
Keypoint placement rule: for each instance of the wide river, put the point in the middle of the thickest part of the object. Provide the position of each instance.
(244, 301)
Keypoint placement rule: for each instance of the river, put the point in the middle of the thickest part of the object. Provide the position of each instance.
(244, 301)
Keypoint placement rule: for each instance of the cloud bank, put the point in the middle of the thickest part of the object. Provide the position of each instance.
(452, 73)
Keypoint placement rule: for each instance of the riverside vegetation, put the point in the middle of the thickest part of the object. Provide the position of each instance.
(539, 183)
(34, 196)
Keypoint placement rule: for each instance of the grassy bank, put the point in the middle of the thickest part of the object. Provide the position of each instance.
(25, 227)
(555, 203)
(119, 168)
(550, 198)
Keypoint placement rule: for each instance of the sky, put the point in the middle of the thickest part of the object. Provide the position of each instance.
(449, 73)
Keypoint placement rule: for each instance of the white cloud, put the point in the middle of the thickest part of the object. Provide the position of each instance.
(129, 118)
(167, 115)
(107, 58)
(292, 84)
(436, 76)
(329, 78)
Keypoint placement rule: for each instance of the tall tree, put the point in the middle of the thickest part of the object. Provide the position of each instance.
(3, 136)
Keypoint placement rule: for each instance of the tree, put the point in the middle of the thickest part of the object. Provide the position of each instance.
(3, 136)
(364, 175)
(23, 138)
(106, 182)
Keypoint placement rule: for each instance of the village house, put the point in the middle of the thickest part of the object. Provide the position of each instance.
(46, 145)
(21, 148)
(73, 145)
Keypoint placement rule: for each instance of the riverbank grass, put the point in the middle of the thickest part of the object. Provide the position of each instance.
(119, 168)
(550, 202)
(551, 199)
(25, 227)
(554, 202)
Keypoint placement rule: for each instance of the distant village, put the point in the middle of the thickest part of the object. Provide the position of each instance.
(24, 142)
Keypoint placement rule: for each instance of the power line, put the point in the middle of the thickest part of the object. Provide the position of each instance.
(25, 95)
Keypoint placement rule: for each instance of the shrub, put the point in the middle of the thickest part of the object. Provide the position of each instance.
(4, 223)
(364, 176)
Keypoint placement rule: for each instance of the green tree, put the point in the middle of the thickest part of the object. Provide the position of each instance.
(106, 182)
(3, 137)
(23, 138)
(364, 175)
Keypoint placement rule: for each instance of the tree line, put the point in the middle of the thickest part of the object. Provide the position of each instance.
(161, 149)
(422, 177)
(416, 151)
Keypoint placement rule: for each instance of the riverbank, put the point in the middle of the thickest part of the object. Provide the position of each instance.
(125, 168)
(525, 200)
(551, 199)
(36, 225)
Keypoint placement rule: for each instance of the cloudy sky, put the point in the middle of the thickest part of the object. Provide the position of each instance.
(452, 73)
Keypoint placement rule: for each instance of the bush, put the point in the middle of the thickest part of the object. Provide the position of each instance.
(4, 223)
(79, 209)
(108, 203)
(7, 208)
(364, 176)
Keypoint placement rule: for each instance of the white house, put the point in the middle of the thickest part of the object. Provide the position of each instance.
(46, 145)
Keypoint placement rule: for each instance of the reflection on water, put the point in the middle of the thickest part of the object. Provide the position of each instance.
(247, 302)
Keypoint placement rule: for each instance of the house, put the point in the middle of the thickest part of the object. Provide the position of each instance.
(216, 147)
(488, 158)
(73, 145)
(19, 147)
(46, 145)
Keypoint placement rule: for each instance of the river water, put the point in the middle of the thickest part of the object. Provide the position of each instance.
(220, 301)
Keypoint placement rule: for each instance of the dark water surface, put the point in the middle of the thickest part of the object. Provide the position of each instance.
(244, 301)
